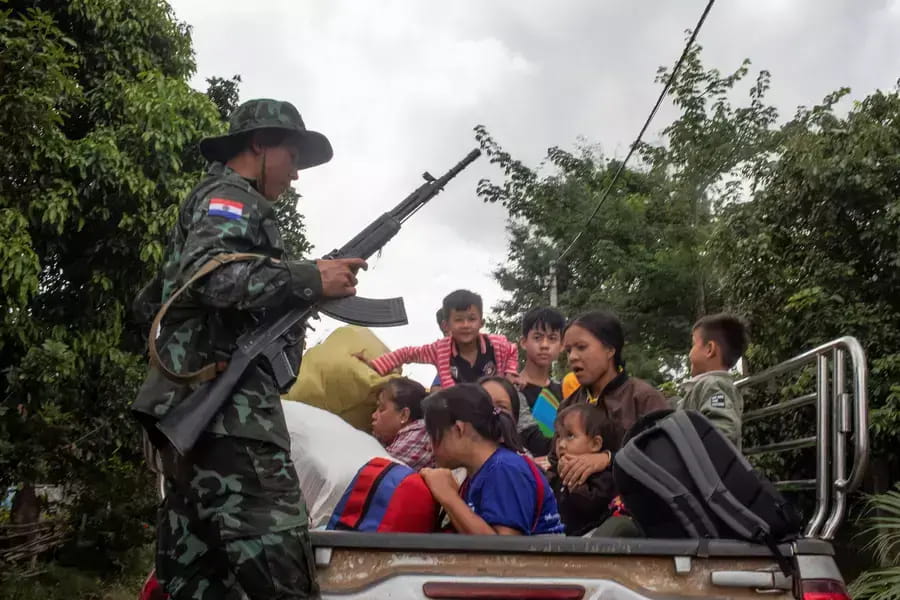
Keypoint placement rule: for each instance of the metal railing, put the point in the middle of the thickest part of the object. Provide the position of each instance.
(842, 418)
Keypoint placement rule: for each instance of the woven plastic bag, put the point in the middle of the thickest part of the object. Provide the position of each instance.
(332, 379)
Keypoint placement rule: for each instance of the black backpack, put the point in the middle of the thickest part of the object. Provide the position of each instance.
(679, 477)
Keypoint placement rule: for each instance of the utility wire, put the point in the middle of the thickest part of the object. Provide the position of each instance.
(637, 141)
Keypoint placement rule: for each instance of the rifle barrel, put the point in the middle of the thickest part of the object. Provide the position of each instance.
(430, 189)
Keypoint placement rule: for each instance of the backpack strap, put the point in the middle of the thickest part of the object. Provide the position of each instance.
(685, 505)
(693, 452)
(464, 487)
(381, 496)
(539, 483)
(209, 371)
(690, 447)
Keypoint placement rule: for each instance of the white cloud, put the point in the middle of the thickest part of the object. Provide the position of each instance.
(398, 85)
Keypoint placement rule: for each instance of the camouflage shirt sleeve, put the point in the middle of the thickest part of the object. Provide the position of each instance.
(231, 220)
(722, 405)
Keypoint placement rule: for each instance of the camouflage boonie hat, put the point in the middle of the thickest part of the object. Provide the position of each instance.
(264, 113)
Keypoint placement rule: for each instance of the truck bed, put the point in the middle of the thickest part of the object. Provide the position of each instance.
(374, 565)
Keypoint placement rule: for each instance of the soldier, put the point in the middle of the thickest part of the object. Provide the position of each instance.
(233, 521)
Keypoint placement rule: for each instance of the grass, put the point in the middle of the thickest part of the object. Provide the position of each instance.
(67, 583)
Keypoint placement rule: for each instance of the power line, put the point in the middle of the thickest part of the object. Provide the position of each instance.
(637, 141)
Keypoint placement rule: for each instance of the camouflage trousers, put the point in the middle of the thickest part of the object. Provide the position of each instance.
(233, 524)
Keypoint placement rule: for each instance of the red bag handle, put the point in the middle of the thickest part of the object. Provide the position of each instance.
(539, 483)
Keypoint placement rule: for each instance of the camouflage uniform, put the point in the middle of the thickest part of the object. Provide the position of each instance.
(233, 519)
(713, 394)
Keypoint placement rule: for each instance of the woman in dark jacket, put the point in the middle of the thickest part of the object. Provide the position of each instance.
(594, 343)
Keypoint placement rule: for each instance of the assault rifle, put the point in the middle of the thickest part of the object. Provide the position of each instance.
(188, 419)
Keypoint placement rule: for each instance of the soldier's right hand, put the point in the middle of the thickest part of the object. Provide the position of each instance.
(339, 276)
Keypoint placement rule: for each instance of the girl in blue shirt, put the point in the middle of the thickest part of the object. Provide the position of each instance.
(504, 493)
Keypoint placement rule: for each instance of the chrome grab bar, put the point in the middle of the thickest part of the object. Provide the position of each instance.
(768, 411)
(839, 416)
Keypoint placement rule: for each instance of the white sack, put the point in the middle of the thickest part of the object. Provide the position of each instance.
(327, 453)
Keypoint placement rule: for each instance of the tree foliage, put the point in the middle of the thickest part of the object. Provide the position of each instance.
(98, 132)
(794, 226)
(816, 253)
(645, 254)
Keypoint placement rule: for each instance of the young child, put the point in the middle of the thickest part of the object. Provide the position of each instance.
(542, 342)
(505, 492)
(580, 430)
(504, 395)
(594, 342)
(466, 355)
(397, 422)
(507, 398)
(718, 341)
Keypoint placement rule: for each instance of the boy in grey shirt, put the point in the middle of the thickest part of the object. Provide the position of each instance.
(718, 342)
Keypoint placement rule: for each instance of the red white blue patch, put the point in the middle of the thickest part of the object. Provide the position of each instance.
(220, 207)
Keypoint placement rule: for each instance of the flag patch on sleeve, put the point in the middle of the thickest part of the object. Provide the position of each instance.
(717, 400)
(220, 207)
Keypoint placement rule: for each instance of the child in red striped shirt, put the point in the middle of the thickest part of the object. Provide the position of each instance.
(466, 355)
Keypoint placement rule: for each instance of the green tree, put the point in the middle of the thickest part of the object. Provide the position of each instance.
(645, 255)
(545, 212)
(98, 132)
(815, 252)
(704, 155)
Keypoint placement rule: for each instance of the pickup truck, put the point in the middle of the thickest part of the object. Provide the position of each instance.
(441, 566)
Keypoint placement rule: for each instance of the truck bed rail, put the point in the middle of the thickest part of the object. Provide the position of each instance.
(431, 542)
(842, 420)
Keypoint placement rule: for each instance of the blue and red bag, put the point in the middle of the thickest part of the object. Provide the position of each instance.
(386, 496)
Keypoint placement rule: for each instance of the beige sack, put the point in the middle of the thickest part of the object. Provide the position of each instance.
(332, 379)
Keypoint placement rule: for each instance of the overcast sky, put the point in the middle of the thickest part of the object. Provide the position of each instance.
(397, 86)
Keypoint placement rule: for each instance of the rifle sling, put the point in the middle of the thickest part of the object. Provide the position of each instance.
(209, 371)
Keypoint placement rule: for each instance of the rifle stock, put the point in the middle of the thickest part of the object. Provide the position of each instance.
(184, 424)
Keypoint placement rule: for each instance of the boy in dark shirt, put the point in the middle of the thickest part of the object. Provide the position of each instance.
(582, 429)
(542, 342)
